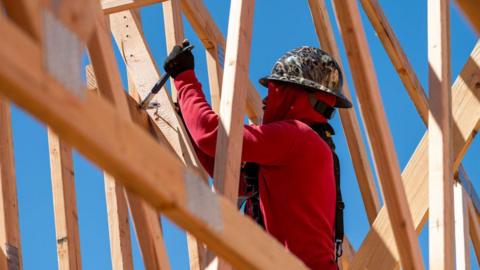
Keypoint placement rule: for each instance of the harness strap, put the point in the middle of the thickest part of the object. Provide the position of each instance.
(325, 131)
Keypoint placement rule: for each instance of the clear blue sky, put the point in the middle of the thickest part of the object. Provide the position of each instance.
(278, 26)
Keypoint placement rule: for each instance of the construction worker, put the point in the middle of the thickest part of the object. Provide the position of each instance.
(291, 165)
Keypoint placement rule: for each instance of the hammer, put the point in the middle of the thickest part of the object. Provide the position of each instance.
(161, 82)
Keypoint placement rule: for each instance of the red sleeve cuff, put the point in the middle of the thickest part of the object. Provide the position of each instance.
(186, 77)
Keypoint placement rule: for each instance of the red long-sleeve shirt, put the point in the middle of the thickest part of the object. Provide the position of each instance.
(296, 180)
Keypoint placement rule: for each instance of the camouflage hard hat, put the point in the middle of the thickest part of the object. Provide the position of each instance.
(311, 68)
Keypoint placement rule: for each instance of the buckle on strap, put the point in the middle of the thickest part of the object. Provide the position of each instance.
(338, 249)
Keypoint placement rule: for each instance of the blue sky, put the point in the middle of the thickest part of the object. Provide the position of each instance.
(278, 26)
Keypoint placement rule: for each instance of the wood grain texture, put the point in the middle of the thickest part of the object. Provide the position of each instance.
(10, 244)
(65, 204)
(441, 218)
(381, 141)
(350, 123)
(378, 250)
(100, 132)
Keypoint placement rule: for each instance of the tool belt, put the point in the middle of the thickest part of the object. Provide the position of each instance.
(250, 202)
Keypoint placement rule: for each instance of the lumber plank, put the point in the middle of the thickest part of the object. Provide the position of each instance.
(470, 10)
(378, 249)
(113, 6)
(474, 228)
(213, 40)
(462, 234)
(398, 57)
(350, 122)
(11, 251)
(383, 149)
(230, 132)
(440, 214)
(65, 204)
(232, 102)
(99, 131)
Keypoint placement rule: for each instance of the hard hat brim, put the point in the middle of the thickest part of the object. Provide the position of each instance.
(341, 101)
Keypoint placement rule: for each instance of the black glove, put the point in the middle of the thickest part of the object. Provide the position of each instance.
(178, 61)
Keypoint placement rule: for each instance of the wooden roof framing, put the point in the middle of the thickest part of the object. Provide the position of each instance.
(107, 127)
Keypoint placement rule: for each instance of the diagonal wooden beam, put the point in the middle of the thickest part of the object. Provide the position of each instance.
(397, 56)
(65, 204)
(113, 6)
(10, 245)
(100, 132)
(470, 10)
(349, 119)
(381, 141)
(378, 250)
(214, 41)
(441, 217)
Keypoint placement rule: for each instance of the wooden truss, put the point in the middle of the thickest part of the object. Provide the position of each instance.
(105, 124)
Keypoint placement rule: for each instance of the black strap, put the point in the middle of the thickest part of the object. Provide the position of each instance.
(320, 107)
(325, 131)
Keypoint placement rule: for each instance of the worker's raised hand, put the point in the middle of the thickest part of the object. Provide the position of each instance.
(179, 60)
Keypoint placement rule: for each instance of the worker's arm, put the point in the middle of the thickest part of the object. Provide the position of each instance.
(267, 144)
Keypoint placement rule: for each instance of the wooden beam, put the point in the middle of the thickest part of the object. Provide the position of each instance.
(172, 18)
(470, 10)
(214, 41)
(379, 134)
(474, 228)
(462, 235)
(230, 133)
(100, 132)
(441, 218)
(378, 250)
(351, 128)
(65, 204)
(113, 6)
(397, 56)
(10, 245)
